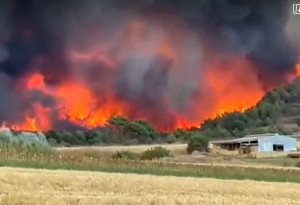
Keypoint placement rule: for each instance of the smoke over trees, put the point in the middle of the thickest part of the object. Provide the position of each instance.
(173, 63)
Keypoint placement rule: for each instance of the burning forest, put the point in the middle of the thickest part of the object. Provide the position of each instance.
(172, 63)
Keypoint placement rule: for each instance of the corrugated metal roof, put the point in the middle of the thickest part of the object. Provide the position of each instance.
(262, 135)
(244, 139)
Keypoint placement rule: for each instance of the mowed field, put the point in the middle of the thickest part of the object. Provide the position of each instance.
(29, 186)
(174, 148)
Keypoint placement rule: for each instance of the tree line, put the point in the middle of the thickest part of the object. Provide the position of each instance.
(265, 117)
(119, 130)
(261, 118)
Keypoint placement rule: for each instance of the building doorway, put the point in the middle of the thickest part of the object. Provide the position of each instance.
(278, 147)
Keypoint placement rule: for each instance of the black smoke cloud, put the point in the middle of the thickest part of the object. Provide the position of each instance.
(251, 27)
(37, 36)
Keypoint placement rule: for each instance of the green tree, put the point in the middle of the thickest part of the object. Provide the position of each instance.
(149, 129)
(181, 134)
(118, 124)
(118, 121)
(54, 135)
(138, 131)
(198, 142)
(94, 137)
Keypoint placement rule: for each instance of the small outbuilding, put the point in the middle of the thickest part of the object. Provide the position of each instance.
(258, 143)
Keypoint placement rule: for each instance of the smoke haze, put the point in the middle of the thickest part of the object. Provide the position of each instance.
(174, 63)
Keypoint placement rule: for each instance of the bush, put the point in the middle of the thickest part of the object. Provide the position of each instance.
(23, 141)
(197, 142)
(297, 164)
(126, 155)
(171, 138)
(181, 134)
(52, 141)
(155, 153)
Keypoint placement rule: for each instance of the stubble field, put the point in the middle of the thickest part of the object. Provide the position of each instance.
(33, 186)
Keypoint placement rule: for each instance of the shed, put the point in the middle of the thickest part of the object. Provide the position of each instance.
(277, 143)
(272, 142)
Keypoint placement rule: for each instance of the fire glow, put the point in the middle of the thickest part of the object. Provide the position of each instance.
(171, 63)
(79, 105)
(230, 89)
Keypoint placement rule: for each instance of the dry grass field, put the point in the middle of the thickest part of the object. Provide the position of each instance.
(28, 186)
(174, 148)
(179, 154)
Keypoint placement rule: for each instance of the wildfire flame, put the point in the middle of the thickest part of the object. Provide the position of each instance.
(80, 106)
(229, 89)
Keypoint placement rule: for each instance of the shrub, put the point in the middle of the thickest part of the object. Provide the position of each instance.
(52, 141)
(155, 153)
(171, 138)
(23, 141)
(181, 134)
(297, 164)
(127, 155)
(197, 142)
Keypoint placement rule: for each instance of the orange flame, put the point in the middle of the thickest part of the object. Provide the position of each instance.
(229, 86)
(80, 106)
(29, 124)
(40, 121)
(235, 86)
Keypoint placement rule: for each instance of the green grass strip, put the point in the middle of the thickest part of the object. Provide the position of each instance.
(218, 172)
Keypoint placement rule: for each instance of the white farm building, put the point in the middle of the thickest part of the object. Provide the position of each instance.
(258, 143)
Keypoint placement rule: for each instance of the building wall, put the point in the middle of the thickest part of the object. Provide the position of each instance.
(265, 144)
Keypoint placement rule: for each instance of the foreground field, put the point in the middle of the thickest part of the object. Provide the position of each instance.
(91, 160)
(27, 186)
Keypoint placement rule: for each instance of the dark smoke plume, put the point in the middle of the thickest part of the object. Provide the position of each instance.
(39, 36)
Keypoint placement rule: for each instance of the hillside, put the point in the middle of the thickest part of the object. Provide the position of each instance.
(278, 111)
